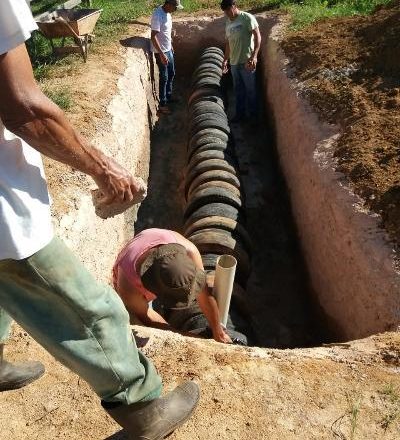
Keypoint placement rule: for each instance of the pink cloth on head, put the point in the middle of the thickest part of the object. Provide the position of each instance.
(133, 250)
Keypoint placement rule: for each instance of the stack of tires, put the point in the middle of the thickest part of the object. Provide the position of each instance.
(214, 214)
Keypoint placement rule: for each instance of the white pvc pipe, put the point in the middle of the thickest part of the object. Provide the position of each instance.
(223, 284)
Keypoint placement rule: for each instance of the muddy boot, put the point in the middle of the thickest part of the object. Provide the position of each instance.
(156, 419)
(14, 376)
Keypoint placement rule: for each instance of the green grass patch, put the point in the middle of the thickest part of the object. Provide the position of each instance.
(308, 11)
(61, 97)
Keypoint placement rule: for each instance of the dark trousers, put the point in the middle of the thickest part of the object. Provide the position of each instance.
(167, 74)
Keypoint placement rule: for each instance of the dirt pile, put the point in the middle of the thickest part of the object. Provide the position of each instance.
(350, 72)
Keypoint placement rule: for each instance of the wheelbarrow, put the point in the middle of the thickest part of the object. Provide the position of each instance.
(77, 24)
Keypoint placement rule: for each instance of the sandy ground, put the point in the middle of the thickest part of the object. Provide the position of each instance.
(343, 391)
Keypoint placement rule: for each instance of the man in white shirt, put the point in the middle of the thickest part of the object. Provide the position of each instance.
(43, 286)
(161, 46)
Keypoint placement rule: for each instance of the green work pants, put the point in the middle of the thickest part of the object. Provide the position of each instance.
(81, 322)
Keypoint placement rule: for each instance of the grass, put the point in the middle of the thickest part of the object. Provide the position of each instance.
(308, 11)
(61, 96)
(391, 398)
(354, 411)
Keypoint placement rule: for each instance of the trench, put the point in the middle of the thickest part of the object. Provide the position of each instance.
(321, 267)
(274, 309)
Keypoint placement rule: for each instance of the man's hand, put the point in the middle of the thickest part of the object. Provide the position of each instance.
(220, 335)
(251, 64)
(163, 58)
(225, 67)
(116, 184)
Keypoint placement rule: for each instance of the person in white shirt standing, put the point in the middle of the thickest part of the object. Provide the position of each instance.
(43, 286)
(161, 46)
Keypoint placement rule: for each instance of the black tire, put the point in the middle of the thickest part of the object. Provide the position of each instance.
(205, 122)
(211, 58)
(207, 99)
(209, 261)
(213, 146)
(198, 157)
(211, 195)
(209, 176)
(207, 67)
(213, 49)
(205, 92)
(207, 136)
(207, 83)
(207, 108)
(208, 165)
(218, 184)
(216, 209)
(217, 241)
(204, 76)
(227, 224)
(209, 120)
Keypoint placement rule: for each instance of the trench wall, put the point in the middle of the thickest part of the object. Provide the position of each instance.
(125, 136)
(349, 259)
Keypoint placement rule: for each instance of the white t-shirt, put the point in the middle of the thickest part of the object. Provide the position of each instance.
(25, 220)
(161, 22)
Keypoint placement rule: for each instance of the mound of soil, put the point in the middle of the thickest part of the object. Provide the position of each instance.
(350, 70)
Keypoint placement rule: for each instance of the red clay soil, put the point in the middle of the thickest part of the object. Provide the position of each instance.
(350, 69)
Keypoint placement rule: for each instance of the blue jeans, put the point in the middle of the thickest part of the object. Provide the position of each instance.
(81, 322)
(167, 74)
(244, 83)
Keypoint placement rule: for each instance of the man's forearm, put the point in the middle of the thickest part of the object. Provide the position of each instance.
(28, 113)
(155, 42)
(208, 306)
(47, 130)
(227, 51)
(257, 43)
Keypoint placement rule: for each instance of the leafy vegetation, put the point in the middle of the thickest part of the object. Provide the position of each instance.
(308, 11)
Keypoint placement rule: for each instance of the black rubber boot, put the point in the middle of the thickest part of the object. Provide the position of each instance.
(156, 419)
(14, 376)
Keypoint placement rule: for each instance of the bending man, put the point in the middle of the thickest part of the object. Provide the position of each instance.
(162, 264)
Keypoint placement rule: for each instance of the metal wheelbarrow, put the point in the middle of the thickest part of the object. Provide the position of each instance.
(77, 24)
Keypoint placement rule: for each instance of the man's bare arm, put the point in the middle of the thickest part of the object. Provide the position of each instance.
(252, 62)
(28, 113)
(156, 44)
(227, 54)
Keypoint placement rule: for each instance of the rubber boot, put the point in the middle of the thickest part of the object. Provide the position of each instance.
(14, 376)
(156, 419)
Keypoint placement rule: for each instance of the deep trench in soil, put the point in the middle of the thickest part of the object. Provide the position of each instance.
(278, 311)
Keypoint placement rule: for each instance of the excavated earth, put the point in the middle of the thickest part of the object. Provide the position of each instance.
(350, 72)
(348, 390)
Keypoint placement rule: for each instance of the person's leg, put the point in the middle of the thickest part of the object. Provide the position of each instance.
(163, 70)
(5, 326)
(80, 322)
(85, 326)
(249, 81)
(240, 93)
(171, 74)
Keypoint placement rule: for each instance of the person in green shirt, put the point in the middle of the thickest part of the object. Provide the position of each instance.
(243, 41)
